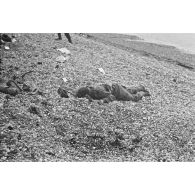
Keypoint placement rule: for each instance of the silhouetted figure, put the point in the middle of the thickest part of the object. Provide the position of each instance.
(67, 36)
(6, 38)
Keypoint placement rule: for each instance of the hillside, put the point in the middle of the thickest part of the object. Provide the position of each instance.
(157, 128)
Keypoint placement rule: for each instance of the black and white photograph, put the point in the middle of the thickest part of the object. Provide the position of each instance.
(97, 97)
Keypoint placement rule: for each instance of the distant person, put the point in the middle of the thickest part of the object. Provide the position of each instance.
(67, 36)
(5, 38)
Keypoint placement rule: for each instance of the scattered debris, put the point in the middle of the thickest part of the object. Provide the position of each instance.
(63, 93)
(10, 127)
(35, 110)
(67, 57)
(61, 59)
(65, 80)
(101, 70)
(13, 40)
(64, 50)
(26, 88)
(7, 47)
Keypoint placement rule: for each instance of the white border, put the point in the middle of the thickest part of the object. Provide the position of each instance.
(97, 178)
(97, 16)
(124, 16)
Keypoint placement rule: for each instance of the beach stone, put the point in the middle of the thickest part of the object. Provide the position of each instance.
(10, 127)
(63, 93)
(35, 110)
(26, 88)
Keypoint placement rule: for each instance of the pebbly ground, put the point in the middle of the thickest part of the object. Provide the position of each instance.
(157, 128)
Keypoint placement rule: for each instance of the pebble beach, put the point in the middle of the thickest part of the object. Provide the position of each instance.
(158, 128)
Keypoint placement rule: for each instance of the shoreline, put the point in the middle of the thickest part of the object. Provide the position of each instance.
(181, 49)
(135, 44)
(181, 41)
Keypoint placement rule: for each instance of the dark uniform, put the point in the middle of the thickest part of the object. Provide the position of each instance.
(109, 93)
(67, 36)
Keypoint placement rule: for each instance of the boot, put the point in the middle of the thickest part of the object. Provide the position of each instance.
(68, 37)
(59, 36)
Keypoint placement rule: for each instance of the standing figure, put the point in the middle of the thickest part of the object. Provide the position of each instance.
(67, 36)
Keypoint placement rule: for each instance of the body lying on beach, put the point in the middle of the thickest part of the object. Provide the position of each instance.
(111, 93)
